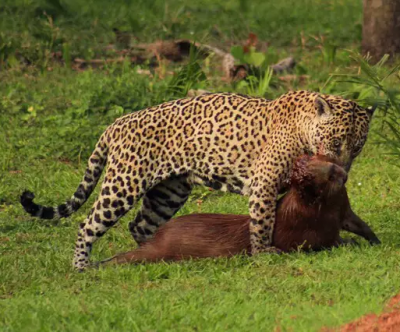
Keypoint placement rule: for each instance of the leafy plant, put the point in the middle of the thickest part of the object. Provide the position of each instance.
(66, 54)
(53, 8)
(327, 47)
(8, 46)
(247, 54)
(257, 85)
(379, 85)
(251, 57)
(188, 77)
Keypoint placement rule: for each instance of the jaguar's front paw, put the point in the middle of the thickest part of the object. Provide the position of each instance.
(80, 265)
(268, 250)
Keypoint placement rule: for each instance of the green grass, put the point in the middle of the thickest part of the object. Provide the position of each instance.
(39, 291)
(86, 26)
(50, 121)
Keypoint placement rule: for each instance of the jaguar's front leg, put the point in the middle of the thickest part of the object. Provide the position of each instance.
(269, 176)
(262, 206)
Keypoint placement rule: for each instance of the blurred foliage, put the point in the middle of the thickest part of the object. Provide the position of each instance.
(189, 76)
(34, 29)
(378, 85)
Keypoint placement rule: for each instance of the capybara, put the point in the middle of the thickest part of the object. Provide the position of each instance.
(309, 217)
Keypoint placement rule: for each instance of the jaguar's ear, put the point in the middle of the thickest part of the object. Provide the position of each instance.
(322, 107)
(371, 109)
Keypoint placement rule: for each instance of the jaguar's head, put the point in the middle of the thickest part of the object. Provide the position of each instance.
(339, 128)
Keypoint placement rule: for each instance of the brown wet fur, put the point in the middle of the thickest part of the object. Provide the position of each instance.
(194, 236)
(309, 217)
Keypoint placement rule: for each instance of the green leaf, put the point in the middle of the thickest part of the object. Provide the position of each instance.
(237, 52)
(254, 58)
(66, 54)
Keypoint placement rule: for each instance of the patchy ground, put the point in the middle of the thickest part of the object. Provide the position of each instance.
(387, 321)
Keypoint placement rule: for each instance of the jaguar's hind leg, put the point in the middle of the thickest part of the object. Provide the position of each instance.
(159, 205)
(116, 198)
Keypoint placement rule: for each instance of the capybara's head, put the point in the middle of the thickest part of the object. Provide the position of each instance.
(318, 175)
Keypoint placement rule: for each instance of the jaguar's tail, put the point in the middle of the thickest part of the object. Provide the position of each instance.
(93, 172)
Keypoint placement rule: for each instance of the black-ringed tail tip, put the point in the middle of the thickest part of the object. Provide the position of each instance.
(33, 209)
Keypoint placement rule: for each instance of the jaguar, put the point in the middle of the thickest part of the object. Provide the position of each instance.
(230, 142)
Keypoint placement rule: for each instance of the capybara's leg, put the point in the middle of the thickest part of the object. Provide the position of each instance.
(354, 224)
(146, 253)
(346, 242)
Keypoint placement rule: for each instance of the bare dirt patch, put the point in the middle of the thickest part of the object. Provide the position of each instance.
(388, 321)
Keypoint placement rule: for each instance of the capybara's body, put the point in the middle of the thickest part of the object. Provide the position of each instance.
(194, 236)
(309, 217)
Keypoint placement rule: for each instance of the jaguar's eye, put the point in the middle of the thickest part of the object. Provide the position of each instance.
(336, 143)
(357, 149)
